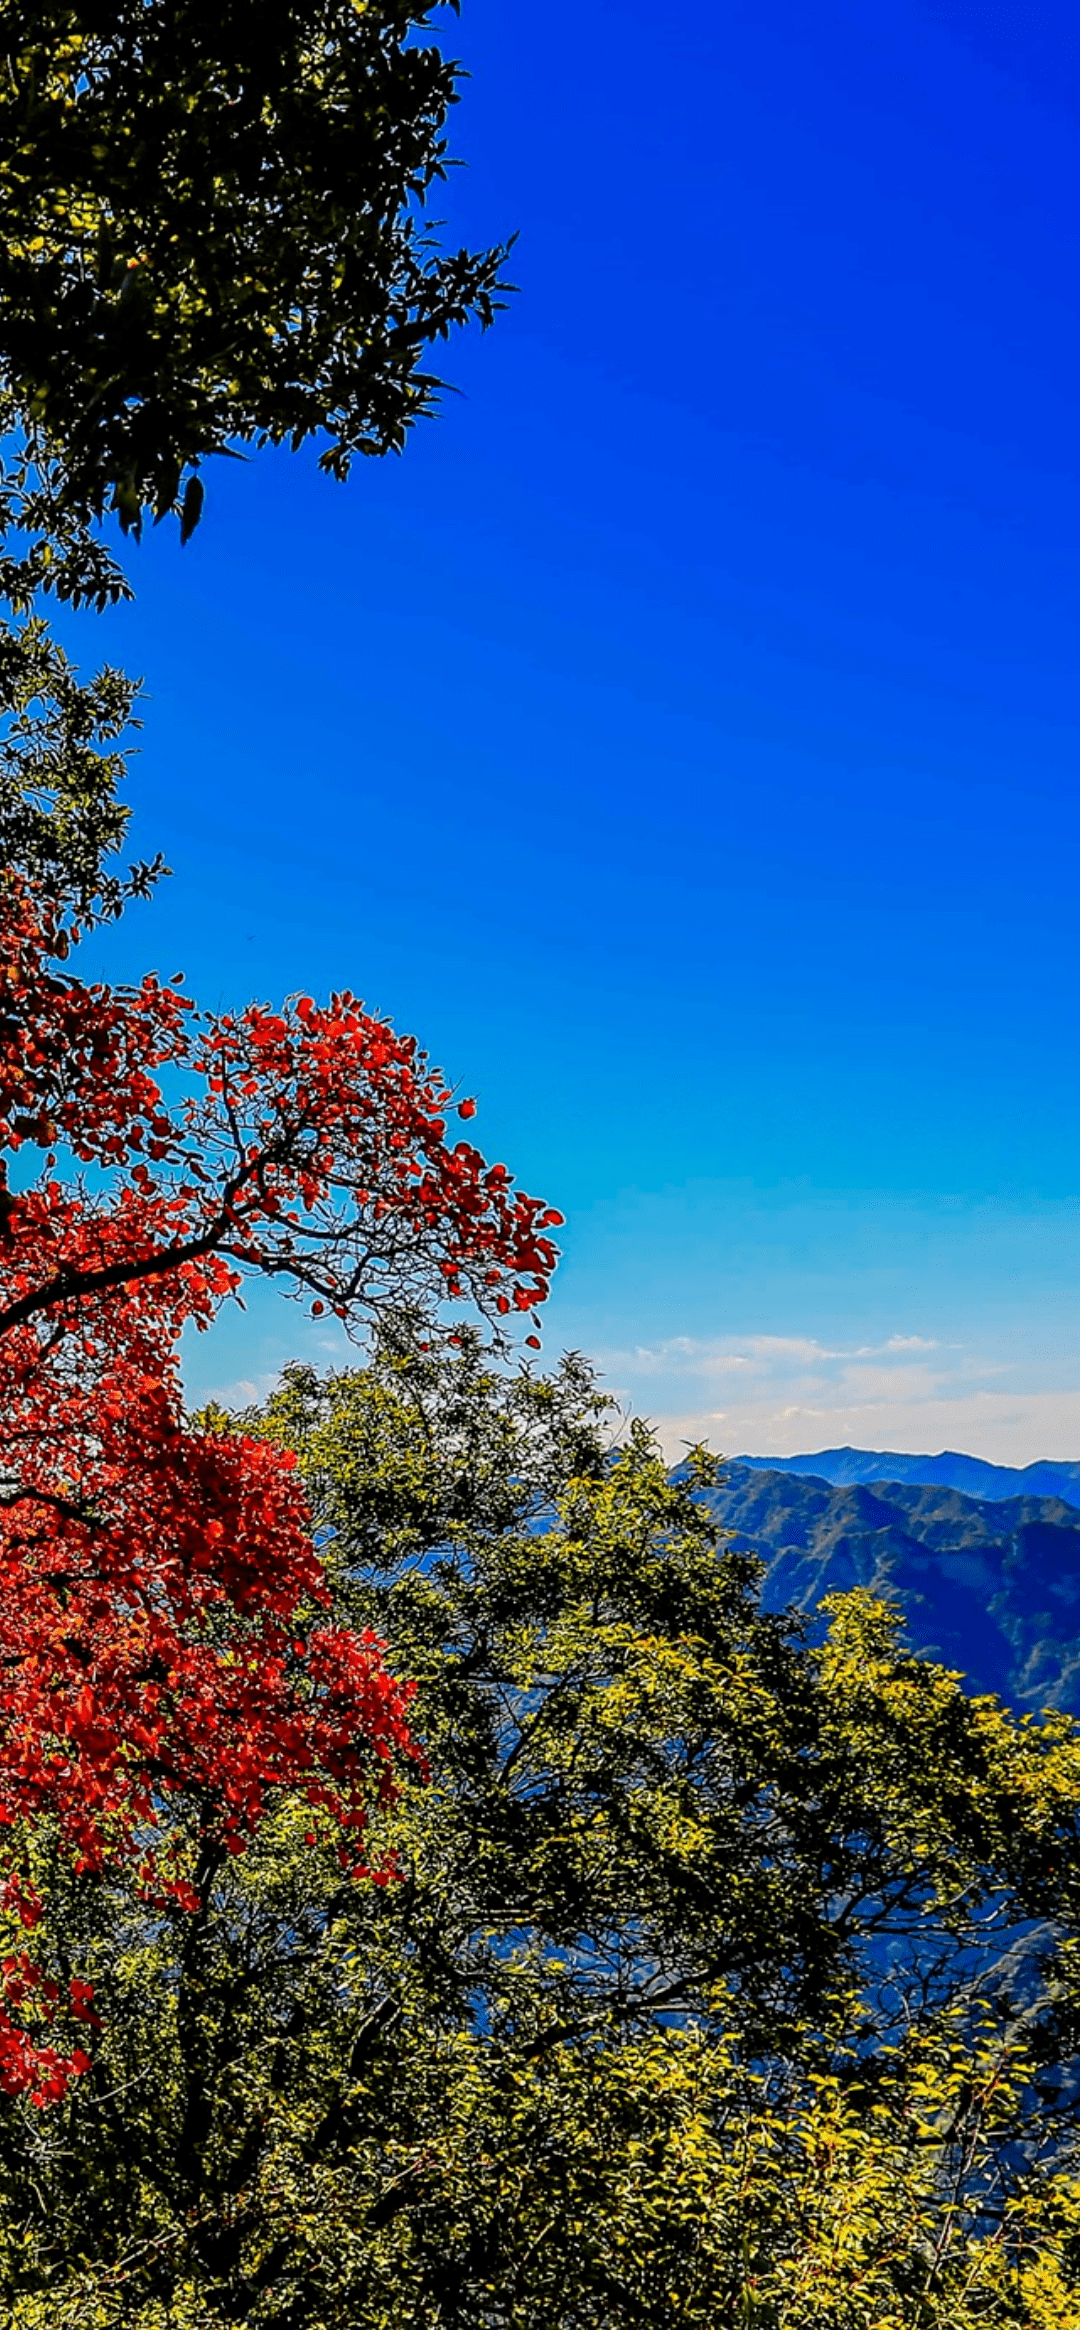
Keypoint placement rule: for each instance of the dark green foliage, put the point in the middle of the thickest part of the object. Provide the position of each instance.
(60, 765)
(62, 754)
(212, 233)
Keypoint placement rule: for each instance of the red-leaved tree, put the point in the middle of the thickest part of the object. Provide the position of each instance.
(160, 1594)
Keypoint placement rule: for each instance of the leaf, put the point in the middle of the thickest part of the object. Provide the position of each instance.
(191, 507)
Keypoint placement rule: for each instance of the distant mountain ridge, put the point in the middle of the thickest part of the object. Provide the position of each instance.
(989, 1585)
(972, 1475)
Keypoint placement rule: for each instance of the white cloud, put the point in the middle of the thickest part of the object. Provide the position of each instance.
(1005, 1428)
(241, 1392)
(785, 1395)
(1010, 1399)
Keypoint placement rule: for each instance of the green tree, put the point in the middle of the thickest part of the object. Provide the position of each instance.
(727, 1977)
(64, 741)
(62, 822)
(213, 233)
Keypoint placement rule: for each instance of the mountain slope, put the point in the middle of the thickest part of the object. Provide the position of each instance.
(970, 1474)
(990, 1586)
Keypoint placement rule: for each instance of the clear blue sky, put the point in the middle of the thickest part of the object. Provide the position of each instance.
(682, 738)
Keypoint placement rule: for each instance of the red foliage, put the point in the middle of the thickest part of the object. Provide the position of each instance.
(160, 1595)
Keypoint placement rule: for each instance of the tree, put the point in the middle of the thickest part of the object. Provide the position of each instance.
(725, 1976)
(62, 761)
(64, 742)
(212, 233)
(161, 1628)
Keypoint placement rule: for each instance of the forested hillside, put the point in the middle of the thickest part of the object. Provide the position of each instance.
(990, 1587)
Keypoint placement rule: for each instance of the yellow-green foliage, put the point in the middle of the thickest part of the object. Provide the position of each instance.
(729, 1977)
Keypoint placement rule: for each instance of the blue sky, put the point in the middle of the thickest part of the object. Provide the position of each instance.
(682, 738)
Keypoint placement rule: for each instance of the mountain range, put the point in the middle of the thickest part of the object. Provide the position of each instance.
(989, 1584)
(970, 1474)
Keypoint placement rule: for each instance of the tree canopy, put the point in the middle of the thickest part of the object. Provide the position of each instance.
(159, 1594)
(213, 233)
(724, 1976)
